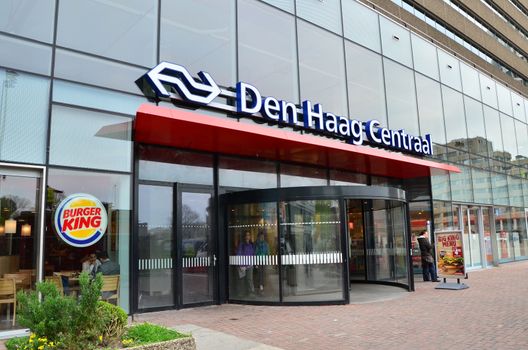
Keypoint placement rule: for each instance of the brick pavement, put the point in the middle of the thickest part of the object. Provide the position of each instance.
(491, 314)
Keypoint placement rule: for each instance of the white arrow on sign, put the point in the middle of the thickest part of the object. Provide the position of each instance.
(178, 77)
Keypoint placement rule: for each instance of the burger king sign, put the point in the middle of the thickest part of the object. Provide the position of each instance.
(80, 220)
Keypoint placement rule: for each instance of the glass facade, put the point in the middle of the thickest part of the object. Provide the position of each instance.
(67, 105)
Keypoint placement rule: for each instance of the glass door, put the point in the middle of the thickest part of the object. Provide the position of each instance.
(356, 236)
(474, 223)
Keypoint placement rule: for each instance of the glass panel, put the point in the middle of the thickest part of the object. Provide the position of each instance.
(171, 165)
(20, 109)
(95, 71)
(366, 93)
(499, 183)
(32, 19)
(126, 29)
(296, 175)
(25, 55)
(19, 232)
(112, 250)
(508, 137)
(521, 131)
(326, 14)
(454, 118)
(420, 215)
(93, 140)
(244, 173)
(470, 81)
(486, 220)
(449, 70)
(322, 75)
(399, 232)
(430, 108)
(91, 97)
(379, 242)
(424, 55)
(445, 216)
(356, 235)
(503, 227)
(286, 5)
(311, 256)
(474, 237)
(515, 191)
(267, 51)
(338, 177)
(361, 25)
(481, 186)
(488, 90)
(518, 233)
(465, 235)
(462, 185)
(504, 97)
(197, 247)
(518, 107)
(200, 35)
(493, 132)
(477, 142)
(253, 252)
(396, 42)
(401, 99)
(440, 186)
(155, 247)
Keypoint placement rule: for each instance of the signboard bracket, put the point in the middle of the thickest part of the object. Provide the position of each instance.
(451, 285)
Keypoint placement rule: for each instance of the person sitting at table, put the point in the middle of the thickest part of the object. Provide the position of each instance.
(90, 264)
(107, 267)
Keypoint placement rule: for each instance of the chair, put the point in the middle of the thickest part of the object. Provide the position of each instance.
(8, 294)
(22, 280)
(110, 289)
(57, 281)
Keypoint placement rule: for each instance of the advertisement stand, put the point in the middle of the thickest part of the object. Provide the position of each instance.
(450, 259)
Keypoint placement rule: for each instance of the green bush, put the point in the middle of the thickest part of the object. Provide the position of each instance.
(72, 324)
(30, 343)
(113, 321)
(147, 333)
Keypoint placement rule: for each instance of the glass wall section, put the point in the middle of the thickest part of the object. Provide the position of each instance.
(267, 50)
(170, 165)
(19, 237)
(440, 186)
(253, 252)
(455, 122)
(493, 132)
(515, 191)
(519, 238)
(66, 261)
(155, 242)
(310, 243)
(503, 228)
(366, 93)
(93, 140)
(399, 233)
(25, 55)
(521, 131)
(470, 81)
(499, 185)
(462, 185)
(20, 109)
(92, 97)
(125, 30)
(200, 35)
(449, 70)
(346, 178)
(322, 75)
(326, 14)
(28, 18)
(477, 142)
(487, 214)
(244, 173)
(424, 57)
(488, 90)
(504, 98)
(420, 220)
(444, 216)
(396, 42)
(508, 137)
(96, 71)
(286, 5)
(296, 175)
(482, 192)
(401, 97)
(361, 25)
(518, 107)
(430, 110)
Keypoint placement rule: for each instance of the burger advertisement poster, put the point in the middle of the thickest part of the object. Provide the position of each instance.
(450, 254)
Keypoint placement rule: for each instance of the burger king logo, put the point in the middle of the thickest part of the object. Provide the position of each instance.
(80, 220)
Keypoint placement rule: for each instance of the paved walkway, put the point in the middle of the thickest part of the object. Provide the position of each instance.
(491, 314)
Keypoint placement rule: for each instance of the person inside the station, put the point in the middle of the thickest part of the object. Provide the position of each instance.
(90, 264)
(245, 270)
(107, 267)
(261, 250)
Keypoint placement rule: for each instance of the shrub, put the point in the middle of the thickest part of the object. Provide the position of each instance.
(146, 333)
(30, 343)
(113, 321)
